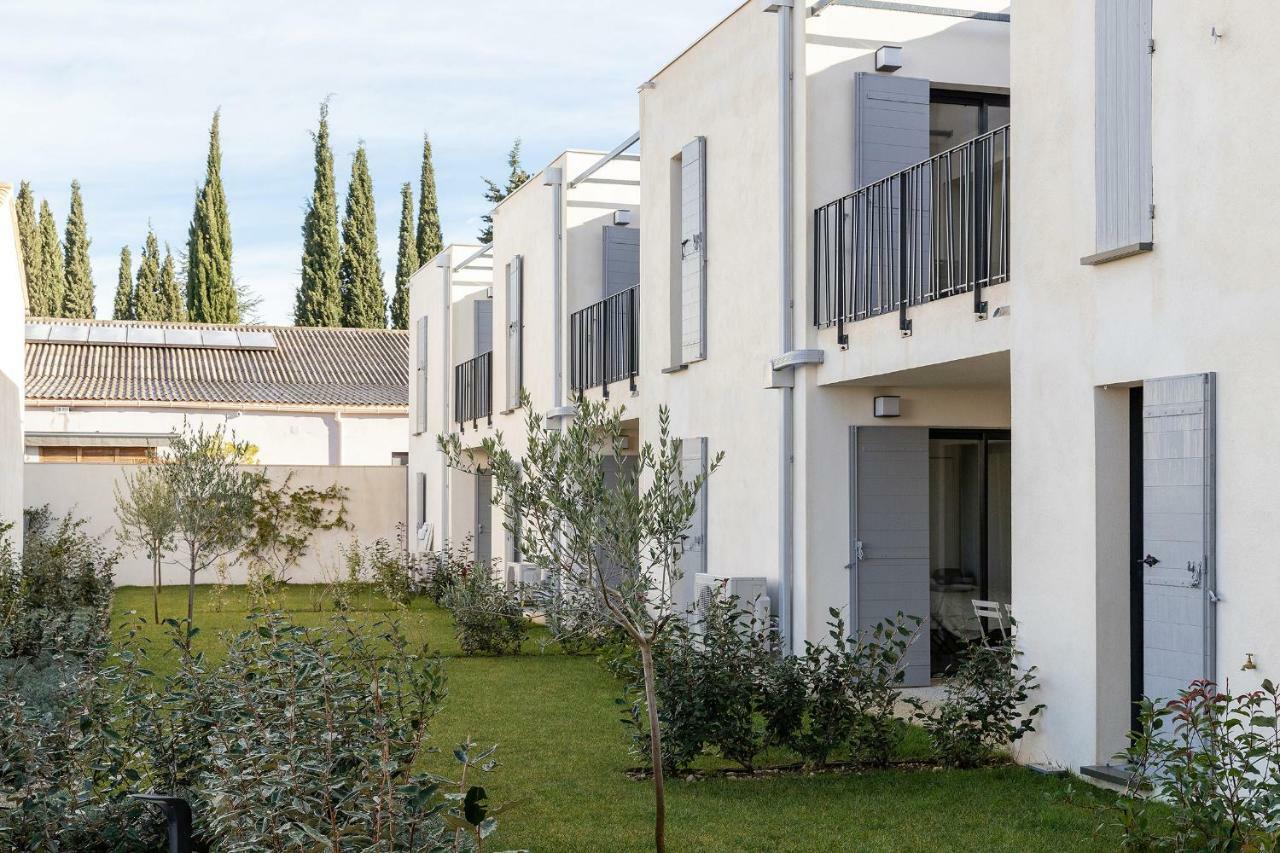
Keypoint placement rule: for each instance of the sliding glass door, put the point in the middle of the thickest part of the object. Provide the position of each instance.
(969, 547)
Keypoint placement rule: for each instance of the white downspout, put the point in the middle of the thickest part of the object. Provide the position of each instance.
(785, 11)
(445, 261)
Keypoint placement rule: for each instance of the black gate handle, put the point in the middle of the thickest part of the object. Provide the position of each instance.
(1148, 561)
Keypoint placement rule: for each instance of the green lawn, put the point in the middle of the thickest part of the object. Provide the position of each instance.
(563, 753)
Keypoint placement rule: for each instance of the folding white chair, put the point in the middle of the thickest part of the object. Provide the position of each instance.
(988, 610)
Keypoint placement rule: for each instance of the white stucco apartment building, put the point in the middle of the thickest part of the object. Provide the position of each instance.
(13, 307)
(108, 390)
(958, 340)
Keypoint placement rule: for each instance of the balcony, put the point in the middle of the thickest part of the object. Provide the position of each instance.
(604, 343)
(939, 228)
(473, 390)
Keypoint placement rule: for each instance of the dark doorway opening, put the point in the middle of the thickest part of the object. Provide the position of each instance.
(969, 536)
(1135, 557)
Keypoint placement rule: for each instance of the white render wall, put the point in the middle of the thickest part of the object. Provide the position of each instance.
(13, 310)
(282, 437)
(1204, 300)
(375, 509)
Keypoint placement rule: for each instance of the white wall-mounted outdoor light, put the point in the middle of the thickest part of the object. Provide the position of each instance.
(888, 57)
(888, 407)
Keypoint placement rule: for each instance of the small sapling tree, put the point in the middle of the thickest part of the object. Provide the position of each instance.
(212, 497)
(620, 544)
(148, 520)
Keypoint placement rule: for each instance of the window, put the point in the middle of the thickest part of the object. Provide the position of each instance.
(399, 457)
(956, 117)
(97, 454)
(422, 498)
(515, 330)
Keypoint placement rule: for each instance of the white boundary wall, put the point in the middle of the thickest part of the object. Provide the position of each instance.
(375, 506)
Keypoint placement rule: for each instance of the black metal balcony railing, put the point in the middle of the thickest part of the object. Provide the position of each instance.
(933, 230)
(473, 390)
(603, 342)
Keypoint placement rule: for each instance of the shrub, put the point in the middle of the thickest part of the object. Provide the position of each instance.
(853, 685)
(487, 618)
(435, 573)
(709, 687)
(1213, 760)
(983, 705)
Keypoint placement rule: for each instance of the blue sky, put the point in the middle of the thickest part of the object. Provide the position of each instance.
(120, 94)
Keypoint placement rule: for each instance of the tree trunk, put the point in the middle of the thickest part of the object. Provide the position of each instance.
(155, 587)
(655, 750)
(191, 591)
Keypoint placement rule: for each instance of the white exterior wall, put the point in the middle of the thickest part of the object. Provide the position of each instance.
(725, 88)
(375, 509)
(1203, 300)
(13, 310)
(282, 437)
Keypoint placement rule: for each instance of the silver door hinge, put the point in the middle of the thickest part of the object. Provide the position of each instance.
(1151, 45)
(1153, 211)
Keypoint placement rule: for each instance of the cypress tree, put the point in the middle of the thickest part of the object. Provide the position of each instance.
(430, 241)
(77, 301)
(172, 307)
(54, 281)
(406, 261)
(364, 301)
(146, 299)
(319, 298)
(124, 306)
(211, 291)
(38, 304)
(494, 193)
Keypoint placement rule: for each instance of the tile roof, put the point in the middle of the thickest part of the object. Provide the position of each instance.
(307, 366)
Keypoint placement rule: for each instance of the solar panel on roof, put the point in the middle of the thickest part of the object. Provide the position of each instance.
(107, 334)
(68, 334)
(144, 336)
(257, 340)
(182, 337)
(219, 338)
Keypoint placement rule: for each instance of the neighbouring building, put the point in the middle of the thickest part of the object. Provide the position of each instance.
(110, 391)
(549, 307)
(952, 353)
(13, 307)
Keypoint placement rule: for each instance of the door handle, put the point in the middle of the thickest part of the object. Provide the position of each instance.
(1148, 561)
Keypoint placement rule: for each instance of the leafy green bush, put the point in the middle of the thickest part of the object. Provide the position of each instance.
(984, 705)
(435, 573)
(487, 618)
(853, 685)
(709, 687)
(1213, 761)
(303, 738)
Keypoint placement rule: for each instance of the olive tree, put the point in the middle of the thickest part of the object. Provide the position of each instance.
(148, 520)
(213, 497)
(617, 546)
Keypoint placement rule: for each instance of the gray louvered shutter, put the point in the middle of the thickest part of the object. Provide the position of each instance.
(484, 326)
(1177, 533)
(693, 558)
(621, 258)
(693, 251)
(890, 528)
(515, 330)
(422, 497)
(1122, 123)
(890, 125)
(420, 413)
